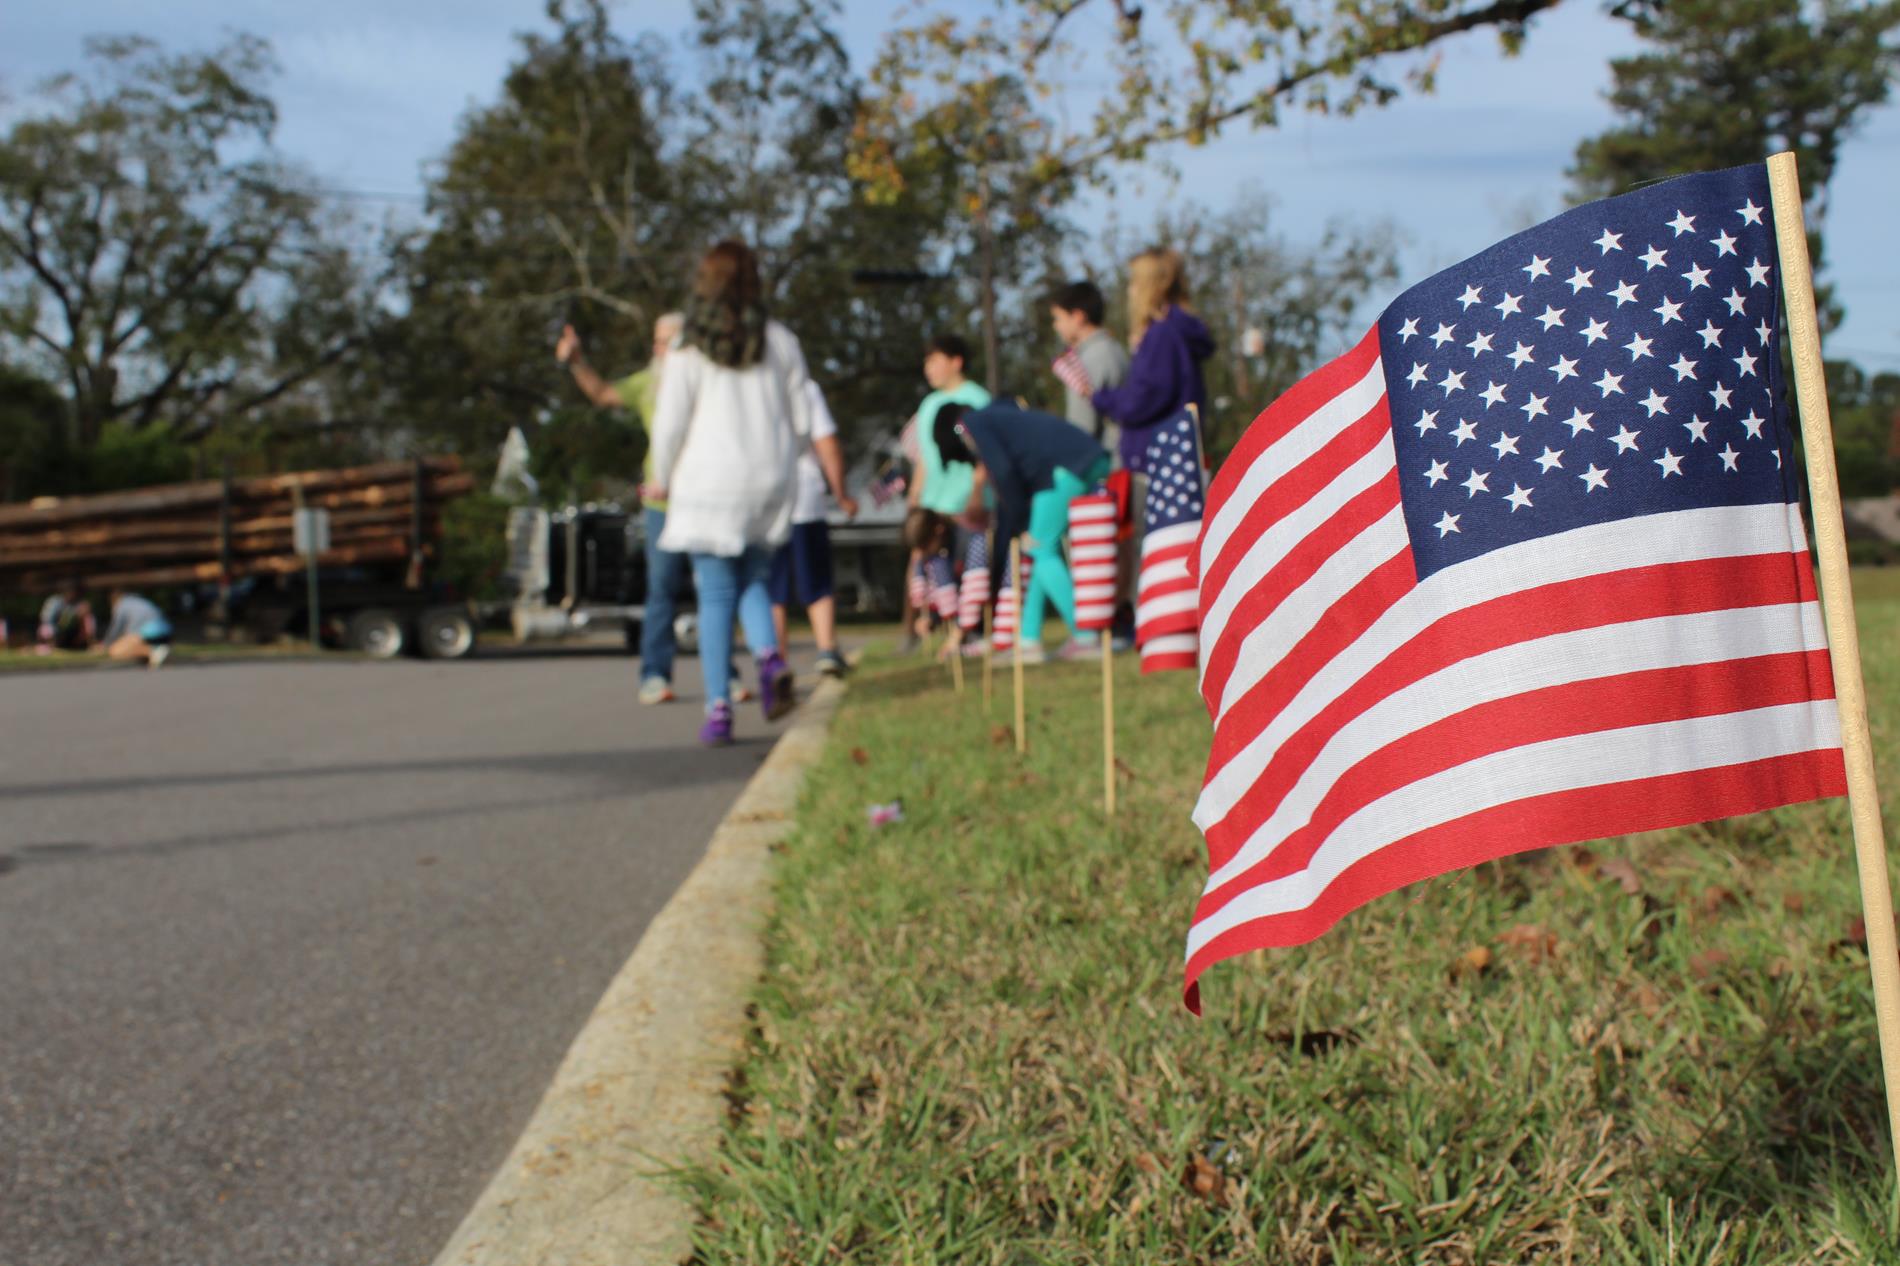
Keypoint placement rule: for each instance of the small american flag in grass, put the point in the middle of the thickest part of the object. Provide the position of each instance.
(973, 591)
(1166, 605)
(1524, 567)
(1092, 530)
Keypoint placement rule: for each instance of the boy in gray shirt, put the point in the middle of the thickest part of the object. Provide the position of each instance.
(1076, 311)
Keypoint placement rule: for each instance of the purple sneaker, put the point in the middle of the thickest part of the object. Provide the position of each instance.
(717, 732)
(775, 686)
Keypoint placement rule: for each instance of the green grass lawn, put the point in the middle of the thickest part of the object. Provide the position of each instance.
(969, 1045)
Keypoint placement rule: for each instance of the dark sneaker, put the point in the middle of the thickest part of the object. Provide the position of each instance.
(775, 686)
(717, 732)
(831, 664)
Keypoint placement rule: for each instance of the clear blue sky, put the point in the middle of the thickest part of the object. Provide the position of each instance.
(371, 92)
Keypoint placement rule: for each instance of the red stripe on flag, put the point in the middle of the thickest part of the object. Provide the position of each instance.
(1590, 602)
(1565, 817)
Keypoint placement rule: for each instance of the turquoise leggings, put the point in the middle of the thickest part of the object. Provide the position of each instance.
(1049, 581)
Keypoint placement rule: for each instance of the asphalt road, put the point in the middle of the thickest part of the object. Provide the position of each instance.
(289, 951)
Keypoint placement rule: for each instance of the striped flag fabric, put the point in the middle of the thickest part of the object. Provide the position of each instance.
(1092, 555)
(1524, 567)
(1073, 374)
(973, 591)
(1003, 626)
(919, 588)
(1167, 614)
(940, 583)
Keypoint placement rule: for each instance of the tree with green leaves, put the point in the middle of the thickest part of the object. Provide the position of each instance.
(158, 260)
(1727, 82)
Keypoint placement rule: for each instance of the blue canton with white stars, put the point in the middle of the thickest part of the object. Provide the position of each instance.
(1172, 463)
(1619, 360)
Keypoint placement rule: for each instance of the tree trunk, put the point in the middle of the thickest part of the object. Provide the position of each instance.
(986, 253)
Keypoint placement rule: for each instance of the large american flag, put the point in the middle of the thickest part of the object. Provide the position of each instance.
(1166, 604)
(1092, 558)
(1524, 567)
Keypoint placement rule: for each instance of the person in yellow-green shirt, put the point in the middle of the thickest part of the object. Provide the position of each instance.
(666, 572)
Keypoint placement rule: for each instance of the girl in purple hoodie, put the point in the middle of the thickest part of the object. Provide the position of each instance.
(1169, 343)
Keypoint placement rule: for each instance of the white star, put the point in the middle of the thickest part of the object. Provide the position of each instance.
(1728, 456)
(1711, 337)
(1452, 382)
(1723, 244)
(1442, 335)
(1610, 242)
(1505, 443)
(1471, 295)
(1521, 356)
(1594, 478)
(1669, 311)
(1407, 330)
(1625, 439)
(1624, 293)
(1550, 457)
(1670, 463)
(1436, 473)
(1638, 347)
(1735, 302)
(1757, 273)
(1579, 280)
(1654, 257)
(1494, 394)
(1720, 395)
(1684, 367)
(1762, 332)
(1535, 407)
(1746, 364)
(1683, 223)
(1752, 424)
(1698, 431)
(1475, 484)
(1655, 403)
(1519, 497)
(1594, 331)
(1579, 421)
(1777, 459)
(1697, 276)
(1538, 267)
(1509, 306)
(1418, 375)
(1482, 343)
(1552, 316)
(1427, 421)
(1750, 213)
(1447, 522)
(1462, 432)
(1610, 383)
(1564, 368)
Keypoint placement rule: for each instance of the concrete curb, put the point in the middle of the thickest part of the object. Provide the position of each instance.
(641, 1086)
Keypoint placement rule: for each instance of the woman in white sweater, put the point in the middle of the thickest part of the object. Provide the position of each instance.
(731, 418)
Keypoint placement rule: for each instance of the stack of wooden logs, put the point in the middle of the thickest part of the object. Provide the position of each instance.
(200, 532)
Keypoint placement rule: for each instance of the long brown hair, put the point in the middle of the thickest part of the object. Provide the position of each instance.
(1156, 282)
(725, 316)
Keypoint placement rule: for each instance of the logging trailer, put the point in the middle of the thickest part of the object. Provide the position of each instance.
(227, 544)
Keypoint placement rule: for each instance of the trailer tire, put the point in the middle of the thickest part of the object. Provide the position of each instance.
(446, 633)
(378, 633)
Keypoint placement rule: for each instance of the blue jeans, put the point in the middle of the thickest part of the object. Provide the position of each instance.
(665, 571)
(725, 584)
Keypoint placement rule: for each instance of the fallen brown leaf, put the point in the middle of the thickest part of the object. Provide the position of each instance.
(1582, 859)
(1647, 1000)
(1620, 869)
(1002, 735)
(1714, 897)
(1204, 1179)
(860, 756)
(1477, 958)
(1857, 932)
(1146, 1163)
(1708, 962)
(1793, 902)
(1122, 767)
(1532, 940)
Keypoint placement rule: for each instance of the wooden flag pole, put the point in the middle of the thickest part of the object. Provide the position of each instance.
(1016, 582)
(1843, 640)
(989, 659)
(1108, 723)
(955, 642)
